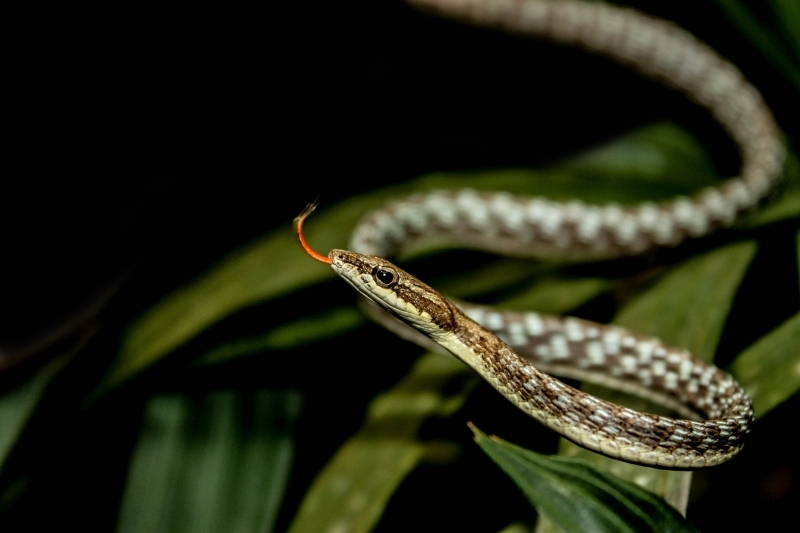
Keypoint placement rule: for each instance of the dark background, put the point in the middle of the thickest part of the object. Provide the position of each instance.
(146, 143)
(160, 140)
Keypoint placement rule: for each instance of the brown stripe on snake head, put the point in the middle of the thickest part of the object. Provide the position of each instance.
(395, 290)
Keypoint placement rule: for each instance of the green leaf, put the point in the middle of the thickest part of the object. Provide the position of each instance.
(370, 466)
(787, 204)
(688, 306)
(516, 527)
(293, 334)
(634, 168)
(787, 14)
(785, 207)
(217, 463)
(557, 294)
(656, 162)
(18, 403)
(577, 496)
(373, 468)
(268, 268)
(496, 276)
(275, 265)
(533, 286)
(671, 485)
(664, 155)
(761, 38)
(352, 490)
(769, 370)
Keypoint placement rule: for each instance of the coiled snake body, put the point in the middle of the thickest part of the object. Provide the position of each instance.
(572, 347)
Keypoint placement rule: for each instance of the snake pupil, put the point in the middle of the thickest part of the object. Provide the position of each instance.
(384, 276)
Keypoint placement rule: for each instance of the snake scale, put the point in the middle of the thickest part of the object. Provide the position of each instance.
(717, 411)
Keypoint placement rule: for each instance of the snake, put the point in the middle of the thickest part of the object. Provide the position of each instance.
(516, 352)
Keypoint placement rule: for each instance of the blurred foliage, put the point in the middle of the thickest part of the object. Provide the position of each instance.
(221, 456)
(781, 47)
(215, 463)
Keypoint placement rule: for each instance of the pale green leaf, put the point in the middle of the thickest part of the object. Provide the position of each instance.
(516, 527)
(579, 497)
(769, 370)
(217, 463)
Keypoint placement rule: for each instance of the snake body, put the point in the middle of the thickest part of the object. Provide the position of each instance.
(718, 411)
(576, 348)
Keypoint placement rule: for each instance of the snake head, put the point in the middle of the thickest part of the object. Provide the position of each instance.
(396, 291)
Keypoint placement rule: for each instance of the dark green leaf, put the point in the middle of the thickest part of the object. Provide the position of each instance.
(363, 456)
(352, 490)
(663, 155)
(787, 15)
(495, 276)
(370, 466)
(577, 497)
(688, 306)
(769, 370)
(761, 38)
(671, 485)
(275, 265)
(17, 404)
(685, 307)
(557, 294)
(290, 335)
(219, 463)
(783, 208)
(787, 203)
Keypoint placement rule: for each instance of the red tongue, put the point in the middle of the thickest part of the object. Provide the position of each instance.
(299, 228)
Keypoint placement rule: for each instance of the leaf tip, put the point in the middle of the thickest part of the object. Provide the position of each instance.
(478, 434)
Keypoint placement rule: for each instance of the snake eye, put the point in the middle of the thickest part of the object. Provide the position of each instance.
(385, 277)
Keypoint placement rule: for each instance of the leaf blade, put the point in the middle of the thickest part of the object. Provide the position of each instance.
(220, 463)
(762, 39)
(698, 291)
(769, 370)
(18, 404)
(556, 485)
(352, 490)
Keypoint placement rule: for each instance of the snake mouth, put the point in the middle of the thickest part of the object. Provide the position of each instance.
(348, 267)
(343, 270)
